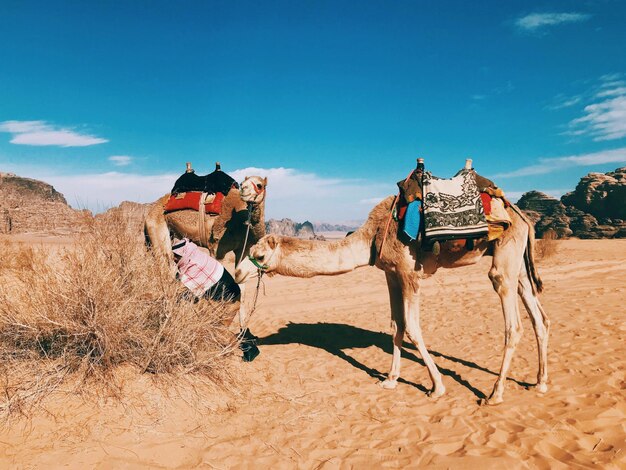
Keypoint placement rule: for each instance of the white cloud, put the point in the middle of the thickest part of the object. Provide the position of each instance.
(41, 133)
(561, 101)
(539, 21)
(550, 165)
(120, 160)
(617, 91)
(603, 120)
(291, 193)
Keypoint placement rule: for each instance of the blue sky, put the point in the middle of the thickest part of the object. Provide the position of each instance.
(333, 101)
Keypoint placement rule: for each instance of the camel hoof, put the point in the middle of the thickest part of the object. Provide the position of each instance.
(491, 401)
(437, 392)
(542, 388)
(388, 384)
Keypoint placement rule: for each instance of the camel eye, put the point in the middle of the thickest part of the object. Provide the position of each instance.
(259, 186)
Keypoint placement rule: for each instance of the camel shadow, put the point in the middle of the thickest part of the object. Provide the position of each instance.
(335, 337)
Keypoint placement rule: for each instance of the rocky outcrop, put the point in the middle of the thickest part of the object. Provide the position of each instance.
(129, 213)
(601, 195)
(547, 213)
(595, 209)
(32, 206)
(290, 228)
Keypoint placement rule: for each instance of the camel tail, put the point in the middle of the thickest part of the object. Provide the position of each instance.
(529, 254)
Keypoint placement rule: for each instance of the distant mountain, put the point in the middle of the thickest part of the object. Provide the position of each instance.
(290, 228)
(346, 227)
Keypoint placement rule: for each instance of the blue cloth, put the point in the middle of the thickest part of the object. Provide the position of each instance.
(412, 219)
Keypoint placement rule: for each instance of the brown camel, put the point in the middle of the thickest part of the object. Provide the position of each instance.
(220, 234)
(512, 271)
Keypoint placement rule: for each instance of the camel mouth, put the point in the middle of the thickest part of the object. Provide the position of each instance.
(259, 264)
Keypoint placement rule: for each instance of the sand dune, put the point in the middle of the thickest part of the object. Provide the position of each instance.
(311, 399)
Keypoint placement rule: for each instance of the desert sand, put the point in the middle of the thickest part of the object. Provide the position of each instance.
(311, 399)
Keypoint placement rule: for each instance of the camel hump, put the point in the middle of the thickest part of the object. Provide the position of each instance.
(214, 182)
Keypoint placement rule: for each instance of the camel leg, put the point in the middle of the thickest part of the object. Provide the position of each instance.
(397, 324)
(410, 296)
(541, 325)
(504, 275)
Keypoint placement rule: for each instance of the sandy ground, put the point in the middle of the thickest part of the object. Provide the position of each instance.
(311, 399)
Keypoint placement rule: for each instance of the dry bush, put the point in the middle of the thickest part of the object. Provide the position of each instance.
(548, 245)
(15, 256)
(103, 303)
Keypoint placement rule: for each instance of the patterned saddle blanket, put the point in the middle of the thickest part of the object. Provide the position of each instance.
(453, 207)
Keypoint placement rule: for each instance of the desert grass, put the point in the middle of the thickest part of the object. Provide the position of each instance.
(71, 318)
(548, 246)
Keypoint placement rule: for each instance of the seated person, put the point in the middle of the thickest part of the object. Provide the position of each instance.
(206, 278)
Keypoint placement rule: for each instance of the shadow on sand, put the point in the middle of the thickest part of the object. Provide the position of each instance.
(335, 337)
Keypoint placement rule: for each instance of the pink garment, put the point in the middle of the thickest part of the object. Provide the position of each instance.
(198, 271)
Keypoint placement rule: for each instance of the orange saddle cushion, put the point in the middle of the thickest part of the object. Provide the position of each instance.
(191, 200)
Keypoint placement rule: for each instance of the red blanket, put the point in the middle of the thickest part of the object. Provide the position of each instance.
(191, 200)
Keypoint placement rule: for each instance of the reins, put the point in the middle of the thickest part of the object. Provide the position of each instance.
(261, 270)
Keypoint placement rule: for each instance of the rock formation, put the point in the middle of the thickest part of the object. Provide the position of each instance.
(128, 212)
(595, 209)
(290, 228)
(347, 227)
(32, 206)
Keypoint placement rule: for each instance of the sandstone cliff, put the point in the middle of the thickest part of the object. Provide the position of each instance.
(31, 206)
(595, 209)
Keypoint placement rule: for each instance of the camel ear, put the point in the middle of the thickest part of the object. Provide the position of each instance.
(265, 181)
(272, 241)
(246, 178)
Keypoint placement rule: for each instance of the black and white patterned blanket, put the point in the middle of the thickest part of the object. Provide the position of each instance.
(452, 207)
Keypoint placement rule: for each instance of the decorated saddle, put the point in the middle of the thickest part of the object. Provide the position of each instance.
(200, 193)
(453, 207)
(464, 207)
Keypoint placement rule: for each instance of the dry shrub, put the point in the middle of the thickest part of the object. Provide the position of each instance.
(103, 303)
(15, 256)
(548, 245)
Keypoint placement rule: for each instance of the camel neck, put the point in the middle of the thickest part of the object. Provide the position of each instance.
(257, 219)
(307, 258)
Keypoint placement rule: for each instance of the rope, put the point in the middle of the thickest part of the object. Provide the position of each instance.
(204, 240)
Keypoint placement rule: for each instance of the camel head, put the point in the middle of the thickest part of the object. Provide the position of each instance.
(265, 255)
(252, 189)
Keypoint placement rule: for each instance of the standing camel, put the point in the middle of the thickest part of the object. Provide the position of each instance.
(512, 270)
